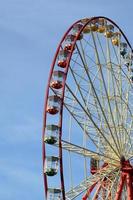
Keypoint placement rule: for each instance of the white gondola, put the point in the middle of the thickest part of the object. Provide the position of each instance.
(54, 194)
(76, 29)
(128, 60)
(123, 49)
(51, 165)
(52, 133)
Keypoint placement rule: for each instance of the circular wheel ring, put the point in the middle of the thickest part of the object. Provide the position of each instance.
(62, 97)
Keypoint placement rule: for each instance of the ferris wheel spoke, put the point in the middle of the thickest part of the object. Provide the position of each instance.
(92, 60)
(121, 95)
(128, 148)
(79, 117)
(95, 75)
(86, 152)
(88, 43)
(131, 127)
(80, 122)
(82, 67)
(116, 109)
(107, 187)
(85, 81)
(89, 72)
(117, 86)
(80, 91)
(79, 112)
(69, 106)
(95, 125)
(86, 102)
(75, 60)
(99, 186)
(113, 81)
(97, 97)
(102, 50)
(107, 94)
(128, 145)
(124, 108)
(87, 183)
(127, 78)
(117, 54)
(85, 64)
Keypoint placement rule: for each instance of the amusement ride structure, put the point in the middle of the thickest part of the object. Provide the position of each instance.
(88, 115)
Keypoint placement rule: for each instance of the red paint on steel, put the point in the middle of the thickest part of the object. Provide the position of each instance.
(129, 187)
(45, 117)
(97, 191)
(85, 197)
(120, 187)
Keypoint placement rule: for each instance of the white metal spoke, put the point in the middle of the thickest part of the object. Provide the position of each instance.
(83, 186)
(86, 152)
(89, 116)
(105, 88)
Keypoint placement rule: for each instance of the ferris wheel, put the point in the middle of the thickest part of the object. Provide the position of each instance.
(88, 115)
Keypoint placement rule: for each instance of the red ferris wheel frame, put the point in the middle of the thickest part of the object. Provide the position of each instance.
(126, 168)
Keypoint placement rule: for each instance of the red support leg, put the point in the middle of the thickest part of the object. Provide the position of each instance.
(89, 191)
(97, 191)
(120, 187)
(103, 190)
(129, 187)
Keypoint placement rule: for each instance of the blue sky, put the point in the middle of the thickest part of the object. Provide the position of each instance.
(30, 31)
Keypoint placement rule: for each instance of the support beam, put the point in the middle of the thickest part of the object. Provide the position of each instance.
(88, 153)
(120, 187)
(129, 187)
(89, 191)
(91, 180)
(95, 197)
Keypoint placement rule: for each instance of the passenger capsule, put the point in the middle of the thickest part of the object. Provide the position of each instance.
(57, 79)
(51, 134)
(101, 25)
(128, 60)
(63, 58)
(84, 21)
(69, 42)
(54, 194)
(76, 30)
(87, 29)
(131, 79)
(94, 165)
(94, 25)
(109, 31)
(116, 39)
(51, 165)
(123, 49)
(53, 106)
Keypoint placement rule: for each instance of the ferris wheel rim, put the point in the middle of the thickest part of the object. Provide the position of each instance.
(63, 91)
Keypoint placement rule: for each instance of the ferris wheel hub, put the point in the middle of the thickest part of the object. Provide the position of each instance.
(126, 167)
(122, 159)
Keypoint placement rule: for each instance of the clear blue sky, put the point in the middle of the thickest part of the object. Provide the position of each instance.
(29, 33)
